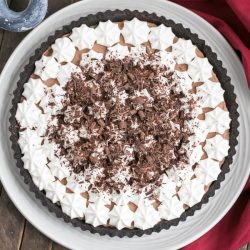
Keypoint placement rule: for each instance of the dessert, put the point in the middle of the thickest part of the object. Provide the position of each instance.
(123, 124)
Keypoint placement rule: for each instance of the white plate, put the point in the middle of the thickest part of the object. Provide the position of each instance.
(175, 237)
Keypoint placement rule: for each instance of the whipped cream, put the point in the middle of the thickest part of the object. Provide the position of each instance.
(74, 205)
(137, 52)
(34, 90)
(83, 37)
(117, 51)
(161, 37)
(47, 67)
(29, 140)
(180, 186)
(207, 171)
(135, 32)
(34, 160)
(107, 33)
(58, 168)
(63, 50)
(191, 192)
(217, 120)
(55, 191)
(65, 73)
(121, 216)
(42, 177)
(210, 94)
(28, 114)
(183, 51)
(217, 147)
(167, 59)
(183, 81)
(167, 189)
(199, 69)
(171, 208)
(97, 213)
(146, 216)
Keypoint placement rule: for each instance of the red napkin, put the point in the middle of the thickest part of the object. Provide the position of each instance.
(232, 232)
(232, 19)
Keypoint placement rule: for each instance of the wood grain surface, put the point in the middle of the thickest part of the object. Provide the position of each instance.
(15, 231)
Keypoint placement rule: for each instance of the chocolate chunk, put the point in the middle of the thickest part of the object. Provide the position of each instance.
(133, 111)
(93, 159)
(122, 125)
(141, 114)
(139, 100)
(101, 122)
(131, 76)
(125, 78)
(142, 135)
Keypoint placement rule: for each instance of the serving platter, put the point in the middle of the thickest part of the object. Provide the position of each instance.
(175, 237)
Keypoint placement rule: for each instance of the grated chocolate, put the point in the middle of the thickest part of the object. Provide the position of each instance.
(126, 121)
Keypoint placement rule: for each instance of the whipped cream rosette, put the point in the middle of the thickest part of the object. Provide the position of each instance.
(124, 126)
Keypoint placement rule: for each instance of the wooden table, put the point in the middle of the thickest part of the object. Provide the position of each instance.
(15, 231)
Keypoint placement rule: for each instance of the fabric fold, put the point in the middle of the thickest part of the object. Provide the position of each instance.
(232, 19)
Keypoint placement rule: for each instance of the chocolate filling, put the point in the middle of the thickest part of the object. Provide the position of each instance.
(126, 122)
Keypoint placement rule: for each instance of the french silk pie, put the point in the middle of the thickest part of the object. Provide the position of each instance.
(123, 124)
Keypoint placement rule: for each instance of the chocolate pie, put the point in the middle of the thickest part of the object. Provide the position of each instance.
(123, 124)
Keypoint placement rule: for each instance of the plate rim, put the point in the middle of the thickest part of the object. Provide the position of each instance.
(230, 99)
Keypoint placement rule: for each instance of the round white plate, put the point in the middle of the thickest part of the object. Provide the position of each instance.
(175, 237)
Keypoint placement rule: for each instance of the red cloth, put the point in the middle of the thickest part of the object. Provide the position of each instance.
(232, 19)
(232, 232)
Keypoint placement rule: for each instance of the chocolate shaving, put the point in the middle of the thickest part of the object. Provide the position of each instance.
(109, 123)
